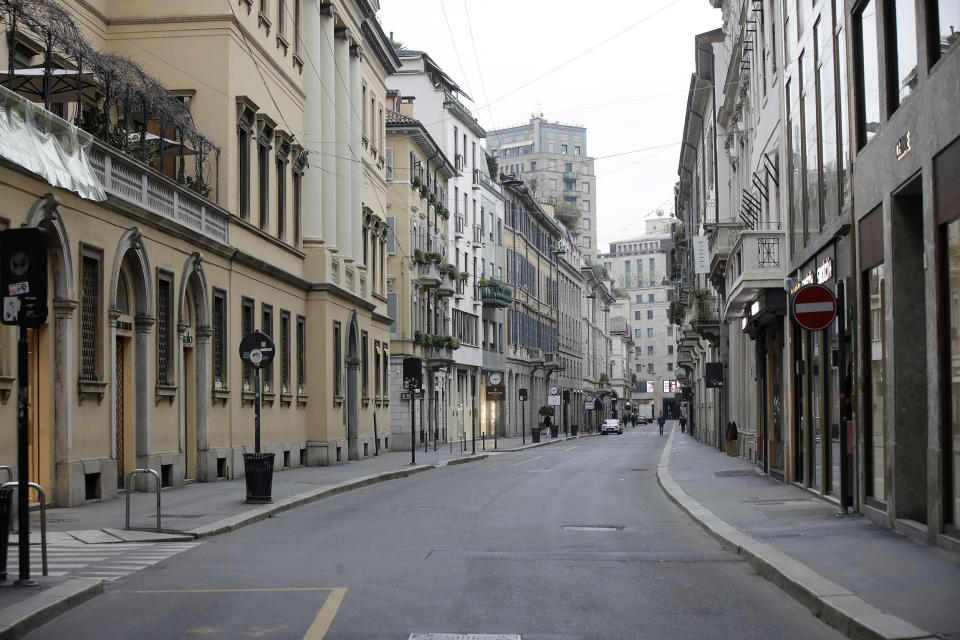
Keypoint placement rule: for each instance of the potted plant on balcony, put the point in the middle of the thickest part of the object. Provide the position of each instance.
(417, 183)
(731, 438)
(464, 275)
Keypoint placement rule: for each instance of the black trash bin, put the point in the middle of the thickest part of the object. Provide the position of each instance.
(573, 429)
(535, 434)
(554, 431)
(6, 506)
(258, 470)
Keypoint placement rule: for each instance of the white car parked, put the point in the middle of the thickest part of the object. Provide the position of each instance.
(611, 425)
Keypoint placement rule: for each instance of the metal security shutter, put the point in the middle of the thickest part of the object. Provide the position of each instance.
(392, 310)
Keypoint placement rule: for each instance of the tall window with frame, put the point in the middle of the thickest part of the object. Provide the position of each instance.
(364, 365)
(246, 328)
(219, 339)
(282, 159)
(284, 352)
(901, 47)
(874, 353)
(826, 91)
(301, 355)
(164, 328)
(866, 67)
(337, 361)
(245, 126)
(264, 138)
(943, 16)
(267, 328)
(376, 369)
(90, 313)
(950, 275)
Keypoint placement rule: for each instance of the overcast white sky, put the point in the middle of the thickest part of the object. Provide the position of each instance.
(630, 91)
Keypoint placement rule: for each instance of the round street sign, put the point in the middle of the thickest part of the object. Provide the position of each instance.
(257, 349)
(814, 307)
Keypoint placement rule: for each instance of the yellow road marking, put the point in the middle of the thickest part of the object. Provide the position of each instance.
(233, 590)
(573, 447)
(527, 460)
(329, 609)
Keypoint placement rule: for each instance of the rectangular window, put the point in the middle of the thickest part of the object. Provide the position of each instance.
(301, 354)
(865, 58)
(636, 315)
(164, 328)
(267, 328)
(89, 314)
(944, 19)
(364, 365)
(875, 380)
(649, 314)
(219, 338)
(284, 351)
(902, 49)
(669, 349)
(296, 26)
(639, 301)
(650, 297)
(297, 206)
(650, 350)
(337, 361)
(950, 271)
(263, 166)
(246, 328)
(649, 332)
(281, 18)
(281, 198)
(243, 159)
(669, 331)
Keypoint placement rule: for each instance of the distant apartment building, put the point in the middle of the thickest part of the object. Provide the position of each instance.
(551, 158)
(639, 269)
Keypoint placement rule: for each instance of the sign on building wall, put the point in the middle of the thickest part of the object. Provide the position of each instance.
(701, 254)
(651, 386)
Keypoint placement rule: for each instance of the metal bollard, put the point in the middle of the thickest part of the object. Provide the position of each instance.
(43, 519)
(129, 476)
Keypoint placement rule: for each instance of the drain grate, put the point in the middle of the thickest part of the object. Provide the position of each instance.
(464, 636)
(592, 527)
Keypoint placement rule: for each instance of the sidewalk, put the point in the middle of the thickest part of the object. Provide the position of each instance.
(199, 510)
(867, 581)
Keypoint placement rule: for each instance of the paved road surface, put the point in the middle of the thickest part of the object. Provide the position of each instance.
(567, 541)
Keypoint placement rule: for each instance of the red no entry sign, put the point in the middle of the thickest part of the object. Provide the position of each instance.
(814, 307)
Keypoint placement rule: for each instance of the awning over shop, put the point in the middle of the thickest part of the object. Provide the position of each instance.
(764, 310)
(51, 147)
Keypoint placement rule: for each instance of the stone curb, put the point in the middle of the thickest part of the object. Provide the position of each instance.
(835, 605)
(243, 519)
(19, 618)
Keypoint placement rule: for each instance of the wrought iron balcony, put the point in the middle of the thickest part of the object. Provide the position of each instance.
(496, 294)
(758, 260)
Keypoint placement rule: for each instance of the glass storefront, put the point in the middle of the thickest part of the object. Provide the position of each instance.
(875, 423)
(953, 304)
(816, 410)
(833, 406)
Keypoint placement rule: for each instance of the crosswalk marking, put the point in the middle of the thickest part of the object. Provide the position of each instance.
(107, 562)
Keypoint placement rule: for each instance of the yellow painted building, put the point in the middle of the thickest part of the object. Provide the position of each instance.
(235, 179)
(420, 280)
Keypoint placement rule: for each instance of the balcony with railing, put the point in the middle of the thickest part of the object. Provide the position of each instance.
(758, 260)
(722, 238)
(429, 275)
(134, 182)
(551, 360)
(535, 355)
(496, 294)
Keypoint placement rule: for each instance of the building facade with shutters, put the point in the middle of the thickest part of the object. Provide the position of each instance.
(420, 280)
(195, 211)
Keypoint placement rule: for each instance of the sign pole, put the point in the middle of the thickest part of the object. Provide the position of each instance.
(256, 408)
(413, 427)
(23, 460)
(523, 416)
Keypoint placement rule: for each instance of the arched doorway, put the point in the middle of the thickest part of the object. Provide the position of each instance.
(131, 319)
(194, 332)
(353, 389)
(51, 380)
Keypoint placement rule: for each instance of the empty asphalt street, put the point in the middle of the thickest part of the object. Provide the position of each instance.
(571, 540)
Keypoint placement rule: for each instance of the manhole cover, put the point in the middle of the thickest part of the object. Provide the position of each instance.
(592, 527)
(734, 472)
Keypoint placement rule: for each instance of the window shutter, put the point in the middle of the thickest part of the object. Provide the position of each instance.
(389, 163)
(392, 310)
(391, 234)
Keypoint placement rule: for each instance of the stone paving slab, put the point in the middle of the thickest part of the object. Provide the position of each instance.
(833, 603)
(147, 536)
(95, 536)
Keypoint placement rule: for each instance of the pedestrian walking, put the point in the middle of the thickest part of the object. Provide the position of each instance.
(683, 424)
(660, 421)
